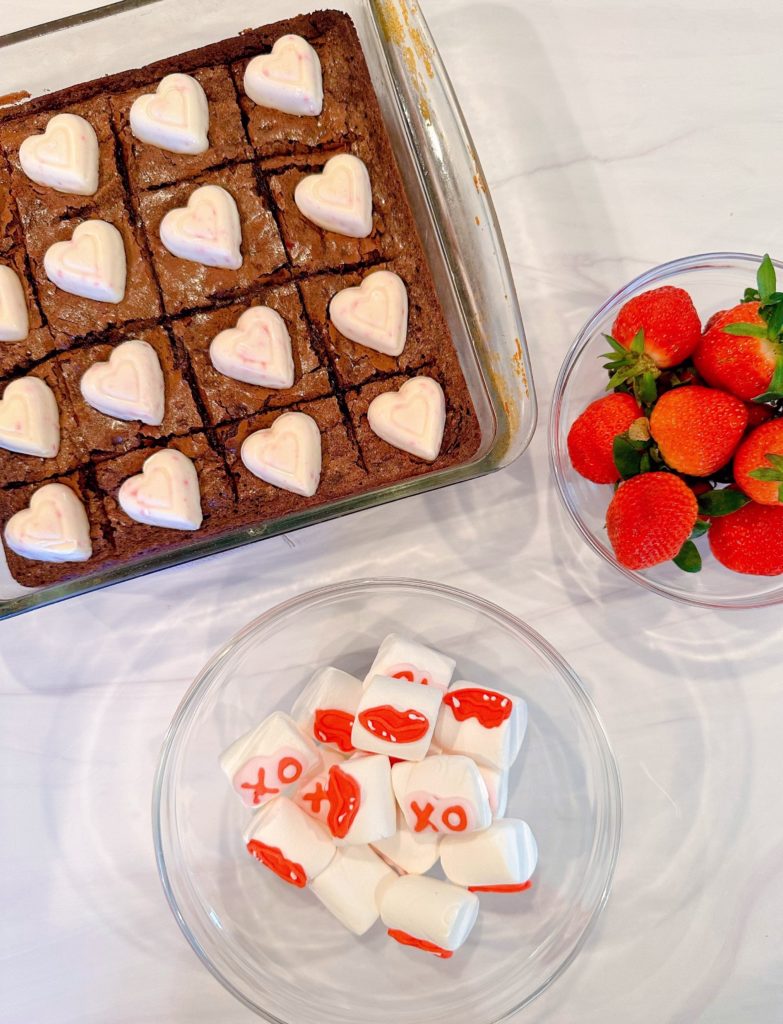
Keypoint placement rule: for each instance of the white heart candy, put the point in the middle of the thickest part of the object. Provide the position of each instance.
(92, 264)
(205, 231)
(413, 418)
(256, 351)
(129, 386)
(287, 454)
(375, 313)
(288, 79)
(339, 198)
(175, 117)
(29, 418)
(65, 157)
(165, 493)
(54, 528)
(14, 319)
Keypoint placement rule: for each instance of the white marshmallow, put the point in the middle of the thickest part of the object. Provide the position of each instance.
(430, 911)
(339, 198)
(65, 157)
(29, 418)
(92, 264)
(412, 419)
(268, 759)
(375, 313)
(442, 794)
(487, 725)
(166, 493)
(402, 658)
(207, 230)
(496, 781)
(14, 318)
(54, 528)
(395, 718)
(351, 886)
(325, 709)
(175, 117)
(501, 858)
(287, 454)
(288, 79)
(354, 800)
(127, 386)
(409, 852)
(256, 351)
(282, 838)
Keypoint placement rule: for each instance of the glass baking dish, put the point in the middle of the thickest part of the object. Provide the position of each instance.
(443, 180)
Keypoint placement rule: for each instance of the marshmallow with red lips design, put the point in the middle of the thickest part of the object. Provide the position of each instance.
(350, 888)
(282, 838)
(354, 800)
(500, 859)
(442, 795)
(401, 658)
(485, 724)
(268, 759)
(325, 709)
(396, 718)
(428, 914)
(408, 852)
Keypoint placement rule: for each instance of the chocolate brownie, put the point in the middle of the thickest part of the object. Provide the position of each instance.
(186, 285)
(16, 356)
(10, 228)
(227, 399)
(149, 166)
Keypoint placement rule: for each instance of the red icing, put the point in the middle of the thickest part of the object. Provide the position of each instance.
(316, 798)
(455, 819)
(428, 947)
(490, 709)
(501, 888)
(260, 787)
(334, 726)
(423, 816)
(393, 726)
(344, 800)
(286, 763)
(273, 858)
(405, 674)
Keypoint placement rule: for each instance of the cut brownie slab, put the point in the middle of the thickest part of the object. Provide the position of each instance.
(187, 285)
(227, 399)
(17, 355)
(151, 166)
(10, 228)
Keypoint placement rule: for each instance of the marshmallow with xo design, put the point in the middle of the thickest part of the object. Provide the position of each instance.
(351, 886)
(282, 838)
(287, 79)
(287, 454)
(411, 853)
(500, 859)
(65, 157)
(338, 199)
(54, 527)
(166, 493)
(442, 794)
(127, 386)
(375, 313)
(428, 914)
(487, 725)
(175, 117)
(325, 709)
(207, 230)
(91, 264)
(29, 418)
(412, 419)
(256, 351)
(14, 318)
(265, 761)
(402, 658)
(353, 799)
(395, 718)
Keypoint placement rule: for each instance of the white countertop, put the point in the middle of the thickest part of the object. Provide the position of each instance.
(614, 135)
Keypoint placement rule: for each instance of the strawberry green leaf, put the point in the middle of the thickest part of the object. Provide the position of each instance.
(765, 278)
(701, 527)
(645, 388)
(766, 474)
(751, 295)
(627, 457)
(721, 502)
(746, 330)
(774, 321)
(775, 390)
(637, 345)
(618, 348)
(688, 558)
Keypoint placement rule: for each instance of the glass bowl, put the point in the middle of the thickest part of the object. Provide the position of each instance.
(276, 948)
(715, 281)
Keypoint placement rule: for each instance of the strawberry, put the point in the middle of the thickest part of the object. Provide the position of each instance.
(750, 540)
(758, 414)
(697, 429)
(650, 518)
(593, 432)
(758, 464)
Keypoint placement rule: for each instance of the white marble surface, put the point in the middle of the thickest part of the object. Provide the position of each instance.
(615, 134)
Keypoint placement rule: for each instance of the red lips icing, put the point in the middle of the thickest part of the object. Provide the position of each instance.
(490, 709)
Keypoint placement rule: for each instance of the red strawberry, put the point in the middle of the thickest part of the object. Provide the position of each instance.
(743, 365)
(750, 540)
(649, 519)
(758, 414)
(671, 325)
(697, 429)
(592, 434)
(758, 464)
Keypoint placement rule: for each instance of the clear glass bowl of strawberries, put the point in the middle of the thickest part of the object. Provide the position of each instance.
(666, 434)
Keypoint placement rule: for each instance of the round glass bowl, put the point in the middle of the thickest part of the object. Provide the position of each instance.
(715, 281)
(276, 948)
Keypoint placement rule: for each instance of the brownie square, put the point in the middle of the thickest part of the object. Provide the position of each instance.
(75, 316)
(387, 464)
(187, 285)
(31, 573)
(17, 355)
(137, 540)
(342, 471)
(98, 435)
(227, 399)
(151, 166)
(39, 203)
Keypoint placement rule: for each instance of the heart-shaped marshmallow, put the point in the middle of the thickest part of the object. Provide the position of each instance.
(92, 264)
(54, 528)
(256, 351)
(29, 418)
(413, 418)
(205, 231)
(175, 117)
(375, 313)
(165, 493)
(129, 385)
(288, 79)
(339, 198)
(287, 454)
(14, 319)
(65, 157)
